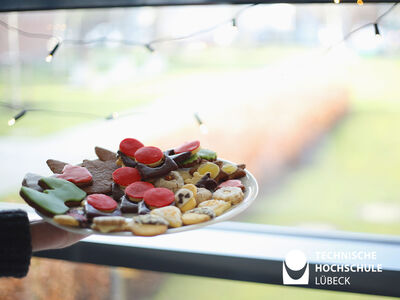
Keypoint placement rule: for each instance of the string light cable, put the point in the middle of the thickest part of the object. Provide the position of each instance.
(374, 24)
(149, 46)
(101, 40)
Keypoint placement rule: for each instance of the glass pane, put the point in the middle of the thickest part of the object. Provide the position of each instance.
(318, 128)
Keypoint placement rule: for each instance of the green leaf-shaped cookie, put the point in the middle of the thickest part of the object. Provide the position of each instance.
(52, 200)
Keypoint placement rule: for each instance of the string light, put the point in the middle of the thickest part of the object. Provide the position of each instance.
(377, 33)
(202, 126)
(113, 116)
(336, 1)
(49, 57)
(360, 2)
(348, 35)
(18, 116)
(149, 45)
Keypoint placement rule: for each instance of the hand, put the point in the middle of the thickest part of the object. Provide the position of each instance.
(46, 236)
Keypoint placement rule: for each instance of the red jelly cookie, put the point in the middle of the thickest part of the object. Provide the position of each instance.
(129, 146)
(189, 146)
(135, 191)
(125, 176)
(149, 155)
(158, 197)
(232, 183)
(102, 202)
(76, 174)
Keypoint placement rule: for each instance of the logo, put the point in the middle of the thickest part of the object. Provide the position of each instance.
(295, 268)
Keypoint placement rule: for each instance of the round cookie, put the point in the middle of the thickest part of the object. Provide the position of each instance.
(218, 206)
(158, 197)
(231, 194)
(102, 202)
(109, 224)
(135, 191)
(173, 182)
(203, 195)
(125, 176)
(197, 215)
(151, 156)
(193, 147)
(129, 146)
(148, 225)
(171, 214)
(185, 199)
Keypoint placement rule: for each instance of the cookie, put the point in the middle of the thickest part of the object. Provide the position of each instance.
(128, 207)
(209, 167)
(135, 191)
(178, 158)
(104, 154)
(80, 176)
(171, 214)
(206, 182)
(192, 147)
(125, 176)
(207, 154)
(172, 181)
(158, 197)
(129, 146)
(148, 172)
(197, 215)
(66, 220)
(149, 155)
(56, 166)
(102, 202)
(102, 176)
(31, 180)
(148, 225)
(109, 224)
(92, 212)
(191, 161)
(117, 192)
(233, 195)
(125, 161)
(232, 182)
(218, 206)
(185, 199)
(55, 197)
(202, 195)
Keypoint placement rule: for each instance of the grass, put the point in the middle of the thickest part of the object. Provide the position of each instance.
(358, 164)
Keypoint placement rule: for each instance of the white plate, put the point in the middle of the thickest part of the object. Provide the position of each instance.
(250, 195)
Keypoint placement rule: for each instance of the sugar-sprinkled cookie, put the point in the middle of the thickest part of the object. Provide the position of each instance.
(102, 176)
(231, 194)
